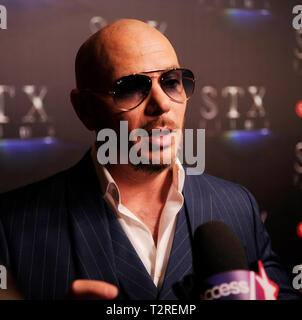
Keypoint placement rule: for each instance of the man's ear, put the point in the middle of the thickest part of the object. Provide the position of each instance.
(84, 108)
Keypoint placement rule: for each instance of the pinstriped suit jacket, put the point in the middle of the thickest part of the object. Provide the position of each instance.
(61, 229)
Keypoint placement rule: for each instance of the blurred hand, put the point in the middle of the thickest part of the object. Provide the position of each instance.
(91, 289)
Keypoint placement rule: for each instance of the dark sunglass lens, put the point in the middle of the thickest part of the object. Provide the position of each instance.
(188, 81)
(130, 91)
(178, 84)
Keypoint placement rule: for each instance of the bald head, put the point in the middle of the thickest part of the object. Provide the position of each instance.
(123, 47)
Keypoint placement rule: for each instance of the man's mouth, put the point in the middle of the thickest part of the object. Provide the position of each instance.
(161, 137)
(160, 131)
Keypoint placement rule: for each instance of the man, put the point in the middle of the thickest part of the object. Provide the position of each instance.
(124, 230)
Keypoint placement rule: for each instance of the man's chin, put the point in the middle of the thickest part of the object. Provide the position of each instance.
(151, 168)
(156, 161)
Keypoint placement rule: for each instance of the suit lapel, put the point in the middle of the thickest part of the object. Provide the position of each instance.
(180, 261)
(197, 209)
(196, 202)
(134, 279)
(102, 248)
(89, 224)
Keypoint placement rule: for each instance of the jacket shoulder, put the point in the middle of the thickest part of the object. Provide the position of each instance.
(215, 184)
(48, 193)
(48, 190)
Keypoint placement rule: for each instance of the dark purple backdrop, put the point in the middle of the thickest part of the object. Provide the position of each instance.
(250, 46)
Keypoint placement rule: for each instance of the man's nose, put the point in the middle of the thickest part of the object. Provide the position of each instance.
(158, 102)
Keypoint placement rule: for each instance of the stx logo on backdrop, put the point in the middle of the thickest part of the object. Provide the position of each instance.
(33, 122)
(96, 23)
(234, 118)
(3, 17)
(297, 21)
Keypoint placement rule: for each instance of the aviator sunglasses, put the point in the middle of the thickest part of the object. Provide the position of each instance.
(130, 91)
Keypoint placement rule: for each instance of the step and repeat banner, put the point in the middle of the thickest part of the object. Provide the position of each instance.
(246, 56)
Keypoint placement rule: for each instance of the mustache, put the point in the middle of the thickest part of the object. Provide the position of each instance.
(158, 123)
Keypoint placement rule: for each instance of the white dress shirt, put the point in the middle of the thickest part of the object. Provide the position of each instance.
(154, 258)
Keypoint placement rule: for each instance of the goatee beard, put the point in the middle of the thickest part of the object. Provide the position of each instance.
(151, 168)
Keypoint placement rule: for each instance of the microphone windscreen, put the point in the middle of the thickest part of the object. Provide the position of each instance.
(217, 249)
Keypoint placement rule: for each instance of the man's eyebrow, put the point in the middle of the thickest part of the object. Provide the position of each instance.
(165, 69)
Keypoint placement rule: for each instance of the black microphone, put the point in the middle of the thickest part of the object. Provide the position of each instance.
(217, 249)
(221, 267)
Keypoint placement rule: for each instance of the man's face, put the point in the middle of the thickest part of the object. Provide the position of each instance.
(157, 111)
